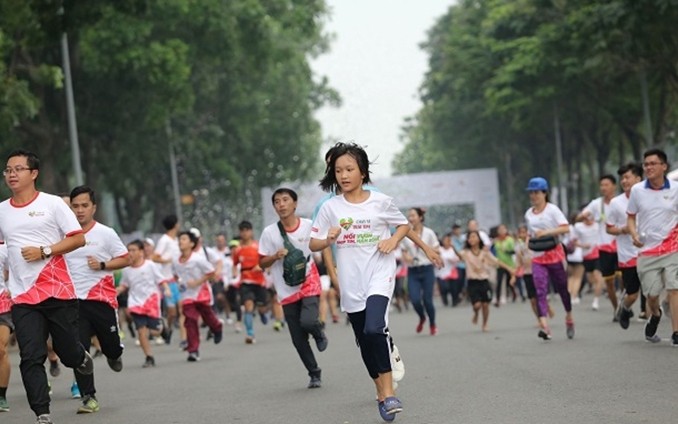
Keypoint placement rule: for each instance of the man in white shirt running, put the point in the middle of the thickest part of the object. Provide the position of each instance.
(653, 226)
(39, 230)
(166, 251)
(300, 303)
(92, 269)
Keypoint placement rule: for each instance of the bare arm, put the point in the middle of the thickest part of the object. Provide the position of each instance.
(267, 261)
(331, 269)
(633, 230)
(562, 229)
(431, 254)
(115, 263)
(68, 244)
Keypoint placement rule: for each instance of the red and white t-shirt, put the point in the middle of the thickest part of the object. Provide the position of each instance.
(627, 253)
(43, 221)
(587, 235)
(143, 293)
(104, 244)
(271, 241)
(5, 299)
(656, 217)
(450, 261)
(168, 249)
(550, 217)
(194, 268)
(600, 211)
(248, 258)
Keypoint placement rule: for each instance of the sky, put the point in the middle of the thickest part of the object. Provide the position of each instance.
(377, 66)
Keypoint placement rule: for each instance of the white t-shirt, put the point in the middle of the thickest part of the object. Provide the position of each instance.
(271, 241)
(656, 217)
(44, 221)
(576, 256)
(5, 299)
(550, 217)
(168, 249)
(600, 211)
(143, 295)
(588, 235)
(363, 270)
(194, 268)
(450, 261)
(104, 244)
(226, 266)
(429, 237)
(627, 253)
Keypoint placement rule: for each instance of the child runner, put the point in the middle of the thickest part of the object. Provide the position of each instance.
(194, 272)
(358, 221)
(141, 280)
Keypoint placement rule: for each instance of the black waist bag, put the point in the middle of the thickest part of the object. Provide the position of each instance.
(543, 244)
(294, 263)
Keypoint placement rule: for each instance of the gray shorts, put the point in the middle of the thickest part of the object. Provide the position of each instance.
(6, 320)
(658, 272)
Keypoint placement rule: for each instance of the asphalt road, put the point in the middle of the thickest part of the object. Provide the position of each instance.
(508, 375)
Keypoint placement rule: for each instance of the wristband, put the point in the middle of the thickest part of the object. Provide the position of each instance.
(102, 266)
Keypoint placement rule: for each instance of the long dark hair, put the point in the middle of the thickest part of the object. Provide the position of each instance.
(329, 180)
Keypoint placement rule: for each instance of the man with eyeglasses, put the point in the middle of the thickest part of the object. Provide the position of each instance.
(39, 229)
(653, 225)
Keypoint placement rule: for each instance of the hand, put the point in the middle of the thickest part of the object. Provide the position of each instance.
(539, 233)
(333, 234)
(281, 253)
(31, 253)
(387, 246)
(636, 240)
(435, 258)
(512, 281)
(93, 264)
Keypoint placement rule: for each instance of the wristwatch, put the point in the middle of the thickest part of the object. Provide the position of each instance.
(45, 251)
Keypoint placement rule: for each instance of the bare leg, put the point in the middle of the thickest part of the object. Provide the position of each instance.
(486, 315)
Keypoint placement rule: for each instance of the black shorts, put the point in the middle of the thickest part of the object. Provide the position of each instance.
(529, 286)
(254, 292)
(608, 263)
(141, 321)
(6, 320)
(591, 265)
(122, 300)
(218, 288)
(631, 280)
(479, 291)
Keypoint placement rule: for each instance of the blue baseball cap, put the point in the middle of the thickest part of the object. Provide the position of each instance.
(537, 184)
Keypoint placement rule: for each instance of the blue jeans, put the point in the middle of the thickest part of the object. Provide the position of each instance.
(420, 282)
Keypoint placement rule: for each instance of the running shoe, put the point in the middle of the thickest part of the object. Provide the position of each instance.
(384, 414)
(595, 305)
(75, 391)
(420, 326)
(642, 317)
(264, 318)
(166, 335)
(544, 335)
(44, 419)
(98, 353)
(315, 382)
(322, 342)
(159, 340)
(218, 336)
(392, 405)
(183, 345)
(4, 405)
(434, 330)
(569, 329)
(87, 366)
(115, 363)
(150, 362)
(89, 405)
(397, 364)
(54, 369)
(278, 325)
(250, 340)
(193, 357)
(651, 327)
(674, 339)
(625, 316)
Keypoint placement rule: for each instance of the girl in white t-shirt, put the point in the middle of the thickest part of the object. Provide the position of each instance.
(358, 222)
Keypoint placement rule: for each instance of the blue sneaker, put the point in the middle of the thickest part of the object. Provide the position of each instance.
(75, 391)
(393, 405)
(385, 415)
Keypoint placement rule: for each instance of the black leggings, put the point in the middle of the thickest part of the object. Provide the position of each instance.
(369, 327)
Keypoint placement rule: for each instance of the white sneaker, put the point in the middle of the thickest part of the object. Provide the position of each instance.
(229, 321)
(595, 304)
(576, 300)
(159, 341)
(397, 365)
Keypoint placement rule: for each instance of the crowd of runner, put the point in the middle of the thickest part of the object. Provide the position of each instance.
(71, 290)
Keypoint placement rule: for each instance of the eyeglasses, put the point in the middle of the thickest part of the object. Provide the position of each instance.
(15, 170)
(649, 164)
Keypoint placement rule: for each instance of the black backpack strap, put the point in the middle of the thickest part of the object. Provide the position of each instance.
(283, 233)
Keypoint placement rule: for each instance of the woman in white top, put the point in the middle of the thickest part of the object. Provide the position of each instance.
(357, 221)
(544, 219)
(420, 273)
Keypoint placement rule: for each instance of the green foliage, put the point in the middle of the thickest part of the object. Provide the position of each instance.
(501, 71)
(227, 82)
